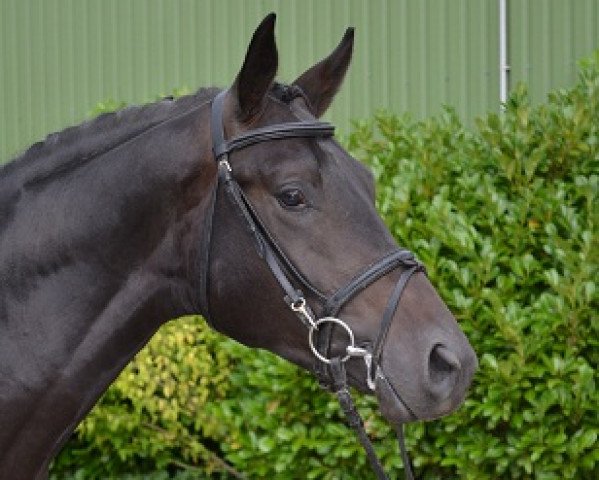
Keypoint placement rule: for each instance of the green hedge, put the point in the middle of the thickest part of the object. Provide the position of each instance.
(505, 217)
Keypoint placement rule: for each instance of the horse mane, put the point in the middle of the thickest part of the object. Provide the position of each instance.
(73, 146)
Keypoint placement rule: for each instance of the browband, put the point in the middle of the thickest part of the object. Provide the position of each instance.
(279, 131)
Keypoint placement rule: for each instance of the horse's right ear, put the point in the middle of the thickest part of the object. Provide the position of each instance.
(258, 71)
(321, 82)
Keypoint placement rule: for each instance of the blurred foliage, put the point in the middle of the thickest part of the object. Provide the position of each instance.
(505, 218)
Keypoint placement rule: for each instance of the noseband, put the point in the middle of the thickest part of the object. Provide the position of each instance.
(330, 370)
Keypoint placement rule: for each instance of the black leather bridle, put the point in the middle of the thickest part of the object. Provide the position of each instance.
(330, 371)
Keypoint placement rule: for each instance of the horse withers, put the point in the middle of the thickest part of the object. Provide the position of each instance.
(235, 204)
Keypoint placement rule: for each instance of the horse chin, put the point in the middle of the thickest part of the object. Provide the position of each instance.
(391, 405)
(397, 412)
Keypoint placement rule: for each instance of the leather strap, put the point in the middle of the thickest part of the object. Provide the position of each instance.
(204, 258)
(217, 128)
(287, 263)
(263, 247)
(370, 275)
(392, 304)
(279, 131)
(339, 387)
(274, 132)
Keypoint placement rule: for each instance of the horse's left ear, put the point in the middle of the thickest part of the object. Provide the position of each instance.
(258, 70)
(321, 82)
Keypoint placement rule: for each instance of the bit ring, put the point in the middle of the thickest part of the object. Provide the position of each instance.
(322, 358)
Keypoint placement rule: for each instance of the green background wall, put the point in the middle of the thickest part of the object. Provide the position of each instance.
(58, 58)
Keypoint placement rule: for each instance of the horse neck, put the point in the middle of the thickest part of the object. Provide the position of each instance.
(91, 264)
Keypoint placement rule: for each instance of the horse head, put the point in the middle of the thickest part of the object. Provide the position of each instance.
(310, 205)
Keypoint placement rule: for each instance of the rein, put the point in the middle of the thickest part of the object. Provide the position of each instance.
(329, 370)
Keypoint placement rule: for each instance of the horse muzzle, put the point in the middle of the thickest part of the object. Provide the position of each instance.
(434, 389)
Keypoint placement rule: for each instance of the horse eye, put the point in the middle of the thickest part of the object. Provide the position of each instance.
(292, 197)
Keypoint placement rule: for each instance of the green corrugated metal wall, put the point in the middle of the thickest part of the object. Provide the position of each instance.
(58, 58)
(547, 38)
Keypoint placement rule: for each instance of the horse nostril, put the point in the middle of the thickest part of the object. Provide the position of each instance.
(443, 364)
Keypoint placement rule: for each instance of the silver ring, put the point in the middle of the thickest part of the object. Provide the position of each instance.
(331, 320)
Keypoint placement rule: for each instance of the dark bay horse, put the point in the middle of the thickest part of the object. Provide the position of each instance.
(113, 227)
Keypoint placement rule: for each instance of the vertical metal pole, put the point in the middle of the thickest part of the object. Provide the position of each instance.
(504, 68)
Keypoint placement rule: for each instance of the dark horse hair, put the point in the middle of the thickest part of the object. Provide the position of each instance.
(68, 149)
(113, 227)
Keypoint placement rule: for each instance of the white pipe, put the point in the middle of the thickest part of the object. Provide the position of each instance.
(504, 68)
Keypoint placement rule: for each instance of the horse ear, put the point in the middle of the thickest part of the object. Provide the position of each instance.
(321, 82)
(258, 70)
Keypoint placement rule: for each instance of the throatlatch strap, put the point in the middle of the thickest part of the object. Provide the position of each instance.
(204, 258)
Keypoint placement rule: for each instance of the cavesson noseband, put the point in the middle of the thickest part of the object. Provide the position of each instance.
(330, 371)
